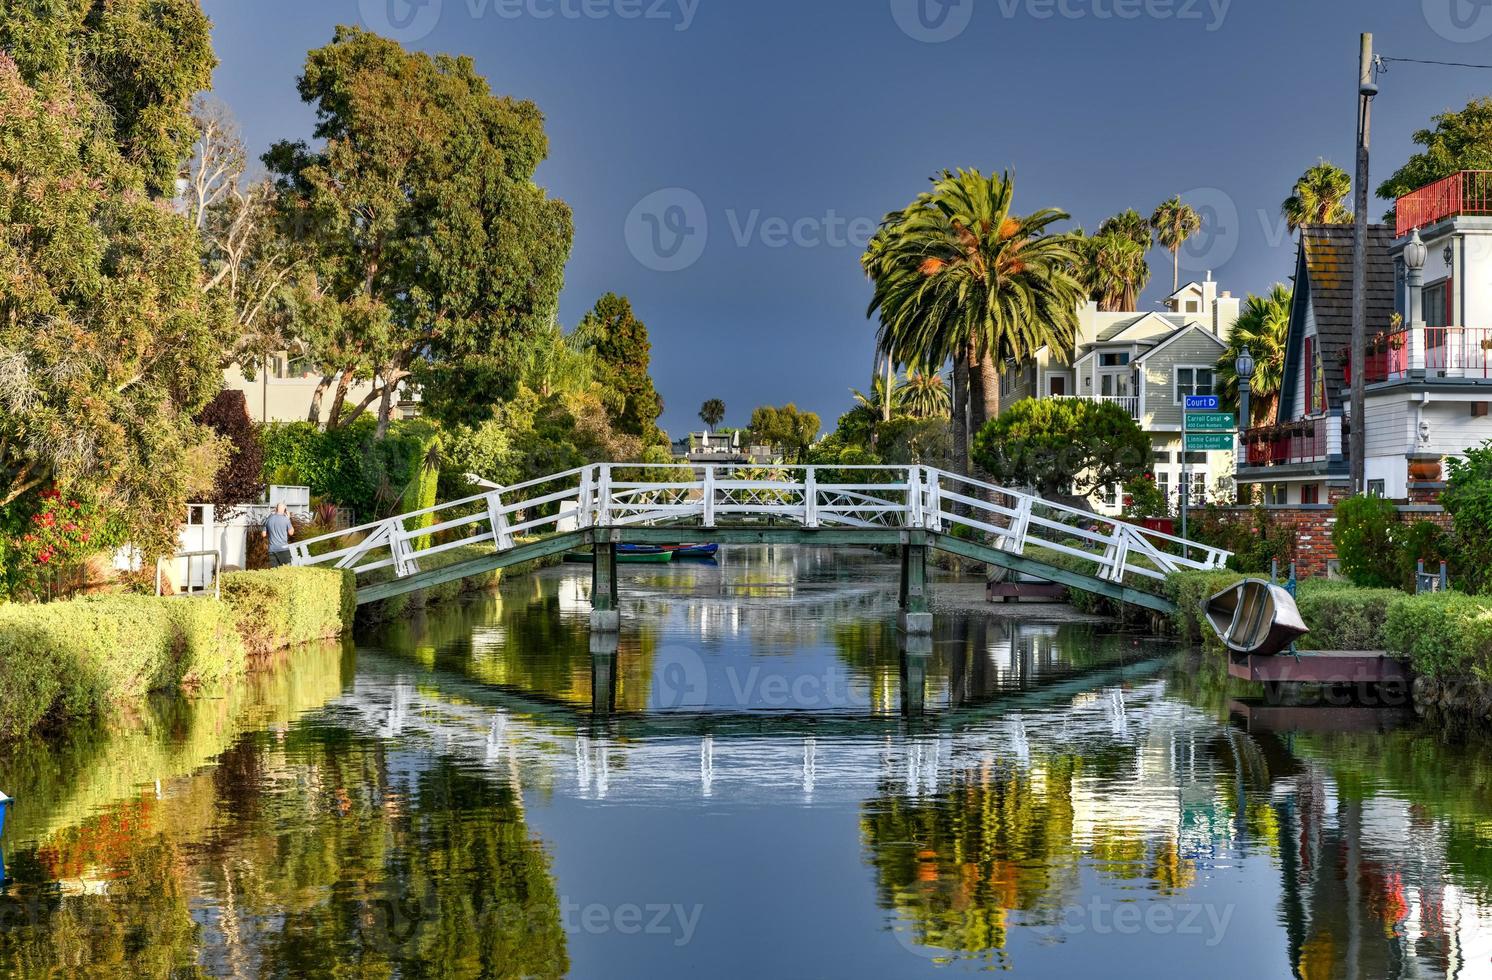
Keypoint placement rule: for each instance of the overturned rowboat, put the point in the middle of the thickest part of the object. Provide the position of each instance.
(1255, 618)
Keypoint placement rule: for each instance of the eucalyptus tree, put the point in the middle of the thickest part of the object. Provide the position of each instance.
(1174, 222)
(1317, 197)
(959, 276)
(1262, 327)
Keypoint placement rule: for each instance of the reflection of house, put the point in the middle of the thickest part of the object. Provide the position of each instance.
(1429, 357)
(1146, 363)
(283, 387)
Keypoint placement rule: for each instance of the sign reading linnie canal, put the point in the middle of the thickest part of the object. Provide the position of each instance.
(1197, 442)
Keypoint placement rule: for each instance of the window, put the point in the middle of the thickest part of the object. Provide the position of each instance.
(1437, 301)
(1310, 366)
(1111, 495)
(1113, 360)
(1377, 488)
(1057, 386)
(1192, 381)
(1163, 456)
(1197, 482)
(1192, 306)
(1310, 494)
(1196, 458)
(1277, 494)
(1163, 484)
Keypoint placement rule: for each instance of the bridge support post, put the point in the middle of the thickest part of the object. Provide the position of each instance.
(915, 653)
(603, 674)
(606, 616)
(916, 617)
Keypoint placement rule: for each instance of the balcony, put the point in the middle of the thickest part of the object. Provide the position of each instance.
(1294, 443)
(1467, 192)
(1130, 403)
(1452, 353)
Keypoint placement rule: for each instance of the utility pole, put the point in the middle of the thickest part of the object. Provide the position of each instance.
(1366, 89)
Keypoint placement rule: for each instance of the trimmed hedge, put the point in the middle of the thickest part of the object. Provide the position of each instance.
(1445, 634)
(74, 659)
(286, 606)
(1342, 616)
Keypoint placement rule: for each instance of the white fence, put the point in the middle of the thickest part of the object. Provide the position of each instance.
(892, 497)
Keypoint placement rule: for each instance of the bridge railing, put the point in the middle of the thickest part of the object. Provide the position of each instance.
(683, 495)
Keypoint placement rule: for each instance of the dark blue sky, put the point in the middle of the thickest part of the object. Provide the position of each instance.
(779, 130)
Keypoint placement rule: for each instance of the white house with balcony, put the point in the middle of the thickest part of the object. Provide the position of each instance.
(1428, 360)
(1146, 363)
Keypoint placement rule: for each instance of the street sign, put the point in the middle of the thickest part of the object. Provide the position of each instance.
(1203, 403)
(1198, 442)
(1211, 422)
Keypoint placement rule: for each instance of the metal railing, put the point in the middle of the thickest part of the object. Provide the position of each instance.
(189, 585)
(1305, 441)
(1461, 353)
(610, 495)
(1467, 192)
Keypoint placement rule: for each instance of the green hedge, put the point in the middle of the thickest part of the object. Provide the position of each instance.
(286, 606)
(1445, 634)
(1342, 616)
(73, 659)
(1189, 590)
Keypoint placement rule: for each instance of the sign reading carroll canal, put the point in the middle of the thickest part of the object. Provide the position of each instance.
(1197, 442)
(1211, 422)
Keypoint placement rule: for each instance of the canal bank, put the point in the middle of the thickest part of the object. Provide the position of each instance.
(441, 797)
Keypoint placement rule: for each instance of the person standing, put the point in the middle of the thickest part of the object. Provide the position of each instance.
(279, 529)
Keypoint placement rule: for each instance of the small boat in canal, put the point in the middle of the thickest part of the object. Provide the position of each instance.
(1255, 618)
(625, 554)
(692, 551)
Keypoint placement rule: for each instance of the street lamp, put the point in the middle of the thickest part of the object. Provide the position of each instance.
(1243, 369)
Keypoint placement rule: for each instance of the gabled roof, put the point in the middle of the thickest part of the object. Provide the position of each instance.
(1186, 286)
(1112, 332)
(1323, 287)
(1177, 336)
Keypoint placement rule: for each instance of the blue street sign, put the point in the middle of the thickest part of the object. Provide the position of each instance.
(1202, 403)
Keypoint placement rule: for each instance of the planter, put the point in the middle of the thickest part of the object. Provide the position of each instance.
(1424, 470)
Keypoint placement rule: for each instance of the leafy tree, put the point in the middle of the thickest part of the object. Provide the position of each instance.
(108, 347)
(1363, 535)
(623, 353)
(241, 479)
(923, 395)
(433, 251)
(1468, 499)
(1318, 196)
(1174, 222)
(1262, 327)
(787, 428)
(958, 275)
(712, 412)
(1062, 446)
(1459, 141)
(1112, 269)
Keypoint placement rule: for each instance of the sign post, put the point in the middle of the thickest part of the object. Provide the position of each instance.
(1203, 428)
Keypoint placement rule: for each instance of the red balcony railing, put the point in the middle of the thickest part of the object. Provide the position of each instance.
(1306, 441)
(1443, 352)
(1467, 192)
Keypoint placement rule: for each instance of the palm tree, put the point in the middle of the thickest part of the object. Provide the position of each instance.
(1131, 225)
(1174, 222)
(884, 397)
(958, 276)
(1318, 198)
(1262, 328)
(1112, 270)
(924, 395)
(712, 412)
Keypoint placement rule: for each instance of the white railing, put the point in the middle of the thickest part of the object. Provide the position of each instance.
(1130, 403)
(679, 495)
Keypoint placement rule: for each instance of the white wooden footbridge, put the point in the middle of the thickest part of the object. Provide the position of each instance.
(911, 508)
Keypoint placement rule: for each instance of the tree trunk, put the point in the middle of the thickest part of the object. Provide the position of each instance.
(886, 395)
(335, 418)
(976, 397)
(1175, 269)
(958, 412)
(990, 373)
(385, 408)
(314, 415)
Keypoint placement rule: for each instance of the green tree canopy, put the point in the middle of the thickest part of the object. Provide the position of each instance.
(712, 412)
(1062, 446)
(108, 347)
(1262, 327)
(1317, 197)
(623, 353)
(434, 253)
(1459, 141)
(1174, 222)
(787, 428)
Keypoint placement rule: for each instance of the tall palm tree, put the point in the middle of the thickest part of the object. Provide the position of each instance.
(924, 394)
(1318, 197)
(1174, 222)
(958, 275)
(1131, 225)
(1262, 327)
(1112, 270)
(712, 412)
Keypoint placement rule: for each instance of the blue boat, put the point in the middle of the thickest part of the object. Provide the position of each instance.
(693, 550)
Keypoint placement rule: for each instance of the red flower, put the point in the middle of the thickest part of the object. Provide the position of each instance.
(74, 504)
(69, 526)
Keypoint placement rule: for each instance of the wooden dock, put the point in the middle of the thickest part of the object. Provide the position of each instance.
(1322, 667)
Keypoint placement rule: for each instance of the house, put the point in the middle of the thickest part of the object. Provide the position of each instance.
(722, 448)
(1146, 363)
(283, 387)
(1428, 360)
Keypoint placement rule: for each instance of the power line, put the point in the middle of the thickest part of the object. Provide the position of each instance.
(1426, 61)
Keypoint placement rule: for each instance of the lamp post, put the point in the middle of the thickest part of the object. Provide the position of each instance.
(1243, 369)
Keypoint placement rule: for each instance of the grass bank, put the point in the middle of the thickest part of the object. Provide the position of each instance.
(81, 658)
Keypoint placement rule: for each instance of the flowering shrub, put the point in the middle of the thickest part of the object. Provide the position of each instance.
(47, 554)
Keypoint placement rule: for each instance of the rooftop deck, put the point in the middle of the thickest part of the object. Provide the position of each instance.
(1468, 192)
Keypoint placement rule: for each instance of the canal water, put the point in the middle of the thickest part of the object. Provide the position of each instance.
(757, 782)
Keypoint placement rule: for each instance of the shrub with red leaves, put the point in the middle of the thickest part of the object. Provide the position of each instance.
(241, 480)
